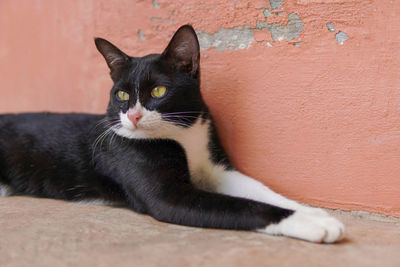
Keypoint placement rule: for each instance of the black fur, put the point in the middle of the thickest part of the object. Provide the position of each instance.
(64, 156)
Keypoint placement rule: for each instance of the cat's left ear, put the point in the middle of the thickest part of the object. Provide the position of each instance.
(183, 51)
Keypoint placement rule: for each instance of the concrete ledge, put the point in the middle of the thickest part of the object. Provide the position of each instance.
(44, 232)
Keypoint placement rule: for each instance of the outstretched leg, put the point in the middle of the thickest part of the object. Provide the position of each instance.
(237, 184)
(305, 223)
(182, 203)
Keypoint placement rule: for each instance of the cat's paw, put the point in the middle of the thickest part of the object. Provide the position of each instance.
(316, 226)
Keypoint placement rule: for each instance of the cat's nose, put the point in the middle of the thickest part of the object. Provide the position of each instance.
(134, 117)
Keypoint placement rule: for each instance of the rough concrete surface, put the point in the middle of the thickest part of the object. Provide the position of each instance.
(43, 232)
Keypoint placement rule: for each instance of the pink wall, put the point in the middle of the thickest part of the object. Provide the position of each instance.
(315, 120)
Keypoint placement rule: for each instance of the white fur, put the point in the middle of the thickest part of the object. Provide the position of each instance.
(237, 184)
(306, 223)
(311, 224)
(194, 141)
(150, 126)
(308, 226)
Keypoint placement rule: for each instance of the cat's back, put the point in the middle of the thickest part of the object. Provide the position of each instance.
(52, 120)
(46, 129)
(50, 155)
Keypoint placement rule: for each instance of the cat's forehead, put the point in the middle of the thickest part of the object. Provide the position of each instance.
(142, 67)
(146, 62)
(145, 71)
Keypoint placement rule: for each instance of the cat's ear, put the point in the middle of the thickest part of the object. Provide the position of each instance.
(115, 58)
(183, 51)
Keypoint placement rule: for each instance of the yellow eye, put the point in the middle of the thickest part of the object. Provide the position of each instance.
(124, 96)
(158, 91)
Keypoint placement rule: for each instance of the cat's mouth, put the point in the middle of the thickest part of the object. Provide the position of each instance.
(139, 124)
(132, 132)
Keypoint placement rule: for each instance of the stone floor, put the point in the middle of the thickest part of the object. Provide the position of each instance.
(42, 232)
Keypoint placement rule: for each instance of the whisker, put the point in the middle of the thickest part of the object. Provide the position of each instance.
(180, 123)
(104, 123)
(100, 139)
(182, 117)
(113, 136)
(185, 112)
(106, 120)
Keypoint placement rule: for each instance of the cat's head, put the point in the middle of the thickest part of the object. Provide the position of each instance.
(158, 94)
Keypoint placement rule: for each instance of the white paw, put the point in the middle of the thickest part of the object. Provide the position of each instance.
(316, 226)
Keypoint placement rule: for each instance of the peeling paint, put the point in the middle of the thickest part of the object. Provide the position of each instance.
(162, 19)
(227, 39)
(267, 13)
(275, 3)
(262, 25)
(331, 26)
(280, 32)
(141, 35)
(155, 4)
(341, 37)
(241, 37)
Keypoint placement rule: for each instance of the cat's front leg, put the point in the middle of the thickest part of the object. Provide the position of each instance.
(304, 223)
(237, 184)
(186, 205)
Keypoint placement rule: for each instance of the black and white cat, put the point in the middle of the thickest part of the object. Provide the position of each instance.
(156, 152)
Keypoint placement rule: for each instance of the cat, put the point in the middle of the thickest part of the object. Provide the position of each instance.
(155, 151)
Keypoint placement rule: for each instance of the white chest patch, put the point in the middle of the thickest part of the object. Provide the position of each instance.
(195, 141)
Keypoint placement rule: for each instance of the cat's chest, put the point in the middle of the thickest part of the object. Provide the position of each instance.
(195, 141)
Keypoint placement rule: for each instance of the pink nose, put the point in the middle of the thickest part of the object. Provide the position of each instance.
(134, 117)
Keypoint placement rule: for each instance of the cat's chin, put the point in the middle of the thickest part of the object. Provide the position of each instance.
(137, 133)
(146, 133)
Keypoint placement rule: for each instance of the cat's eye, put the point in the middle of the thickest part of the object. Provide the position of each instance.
(123, 96)
(158, 91)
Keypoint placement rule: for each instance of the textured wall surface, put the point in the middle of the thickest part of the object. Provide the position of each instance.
(306, 93)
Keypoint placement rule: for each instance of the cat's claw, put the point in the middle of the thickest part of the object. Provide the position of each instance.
(318, 227)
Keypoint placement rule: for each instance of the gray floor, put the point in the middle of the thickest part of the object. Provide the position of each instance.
(42, 232)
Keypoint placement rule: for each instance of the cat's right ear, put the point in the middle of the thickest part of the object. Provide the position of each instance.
(115, 58)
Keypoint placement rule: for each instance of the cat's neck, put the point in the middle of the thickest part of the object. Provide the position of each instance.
(196, 141)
